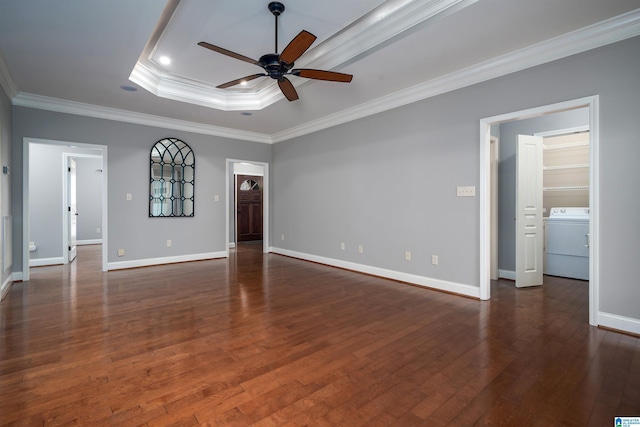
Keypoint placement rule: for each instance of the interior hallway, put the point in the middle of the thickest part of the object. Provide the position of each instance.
(269, 340)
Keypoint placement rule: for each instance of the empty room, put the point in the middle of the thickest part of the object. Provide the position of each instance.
(319, 213)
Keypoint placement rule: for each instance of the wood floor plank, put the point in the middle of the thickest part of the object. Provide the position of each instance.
(266, 340)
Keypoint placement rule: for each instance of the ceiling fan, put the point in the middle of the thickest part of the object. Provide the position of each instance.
(278, 66)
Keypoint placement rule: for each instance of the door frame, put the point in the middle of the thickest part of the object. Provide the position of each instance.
(26, 143)
(265, 202)
(590, 102)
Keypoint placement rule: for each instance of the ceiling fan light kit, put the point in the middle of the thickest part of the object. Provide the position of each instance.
(278, 66)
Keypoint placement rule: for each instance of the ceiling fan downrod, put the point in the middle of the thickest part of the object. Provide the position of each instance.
(276, 8)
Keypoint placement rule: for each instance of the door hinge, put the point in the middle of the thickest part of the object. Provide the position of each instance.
(69, 247)
(69, 209)
(68, 169)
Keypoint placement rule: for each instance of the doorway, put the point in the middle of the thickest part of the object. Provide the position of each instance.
(591, 104)
(248, 211)
(54, 230)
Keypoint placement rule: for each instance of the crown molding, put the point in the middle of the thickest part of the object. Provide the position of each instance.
(376, 29)
(6, 80)
(90, 110)
(600, 34)
(150, 77)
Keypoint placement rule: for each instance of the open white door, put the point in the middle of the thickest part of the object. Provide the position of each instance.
(529, 237)
(73, 209)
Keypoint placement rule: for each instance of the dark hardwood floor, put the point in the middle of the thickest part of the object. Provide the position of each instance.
(269, 340)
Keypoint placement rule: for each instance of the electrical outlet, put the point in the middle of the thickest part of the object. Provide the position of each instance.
(466, 191)
(129, 196)
(168, 243)
(342, 246)
(120, 252)
(407, 256)
(282, 237)
(434, 259)
(360, 249)
(216, 198)
(98, 230)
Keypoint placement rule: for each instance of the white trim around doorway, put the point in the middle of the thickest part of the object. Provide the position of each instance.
(25, 195)
(591, 102)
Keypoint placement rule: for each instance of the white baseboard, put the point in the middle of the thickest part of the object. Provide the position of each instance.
(17, 276)
(620, 323)
(89, 242)
(41, 262)
(443, 285)
(507, 274)
(164, 260)
(232, 245)
(6, 285)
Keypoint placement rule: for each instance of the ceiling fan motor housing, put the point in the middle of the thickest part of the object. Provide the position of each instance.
(273, 66)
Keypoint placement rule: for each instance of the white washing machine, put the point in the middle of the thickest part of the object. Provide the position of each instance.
(566, 249)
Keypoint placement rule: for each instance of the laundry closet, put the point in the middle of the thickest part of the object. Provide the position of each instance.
(565, 164)
(566, 205)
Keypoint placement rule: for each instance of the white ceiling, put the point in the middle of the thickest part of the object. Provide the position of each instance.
(74, 55)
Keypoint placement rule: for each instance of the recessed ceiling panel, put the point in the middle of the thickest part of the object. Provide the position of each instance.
(198, 46)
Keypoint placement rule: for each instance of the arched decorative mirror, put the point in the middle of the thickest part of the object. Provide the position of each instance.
(173, 167)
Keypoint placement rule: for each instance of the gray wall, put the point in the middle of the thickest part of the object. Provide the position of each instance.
(5, 160)
(89, 194)
(129, 145)
(507, 173)
(388, 181)
(45, 201)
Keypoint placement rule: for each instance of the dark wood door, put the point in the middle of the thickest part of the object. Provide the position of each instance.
(249, 207)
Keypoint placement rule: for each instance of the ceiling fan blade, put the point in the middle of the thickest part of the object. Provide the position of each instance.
(228, 53)
(322, 75)
(297, 47)
(240, 80)
(287, 89)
